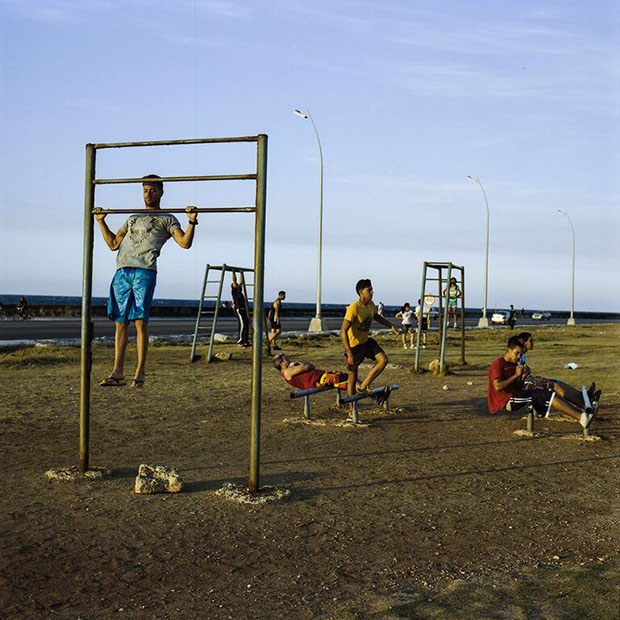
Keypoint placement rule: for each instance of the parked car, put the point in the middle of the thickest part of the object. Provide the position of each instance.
(500, 318)
(541, 316)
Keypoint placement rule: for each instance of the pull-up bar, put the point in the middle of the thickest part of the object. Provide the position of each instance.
(179, 210)
(121, 145)
(87, 328)
(211, 177)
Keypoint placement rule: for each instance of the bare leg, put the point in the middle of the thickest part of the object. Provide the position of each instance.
(351, 382)
(404, 339)
(565, 407)
(376, 370)
(274, 334)
(120, 347)
(142, 344)
(569, 393)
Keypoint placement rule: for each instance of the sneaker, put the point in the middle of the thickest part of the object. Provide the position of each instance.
(591, 391)
(404, 346)
(590, 418)
(424, 346)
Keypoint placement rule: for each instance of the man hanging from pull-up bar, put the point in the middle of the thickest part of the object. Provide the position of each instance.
(139, 241)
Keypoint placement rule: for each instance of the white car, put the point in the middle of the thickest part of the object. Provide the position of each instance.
(500, 318)
(541, 316)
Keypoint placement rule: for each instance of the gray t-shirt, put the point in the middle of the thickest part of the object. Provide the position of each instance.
(144, 238)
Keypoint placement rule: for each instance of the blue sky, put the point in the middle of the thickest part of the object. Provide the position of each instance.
(409, 98)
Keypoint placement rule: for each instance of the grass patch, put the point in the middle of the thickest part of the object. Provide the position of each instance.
(553, 593)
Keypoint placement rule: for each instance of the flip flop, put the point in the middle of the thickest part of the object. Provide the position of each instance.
(137, 383)
(112, 382)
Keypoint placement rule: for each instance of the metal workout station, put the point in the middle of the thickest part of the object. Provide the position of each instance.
(443, 316)
(259, 210)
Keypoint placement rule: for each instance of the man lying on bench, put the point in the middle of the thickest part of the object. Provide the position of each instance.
(561, 389)
(304, 376)
(507, 391)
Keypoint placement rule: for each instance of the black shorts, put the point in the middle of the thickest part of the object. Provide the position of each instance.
(275, 325)
(406, 328)
(540, 399)
(368, 350)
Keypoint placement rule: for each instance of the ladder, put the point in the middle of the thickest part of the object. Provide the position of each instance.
(208, 313)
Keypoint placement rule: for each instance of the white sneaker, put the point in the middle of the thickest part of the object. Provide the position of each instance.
(404, 346)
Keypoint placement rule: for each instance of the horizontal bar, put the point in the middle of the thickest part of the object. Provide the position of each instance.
(216, 177)
(229, 267)
(177, 210)
(316, 390)
(375, 392)
(120, 145)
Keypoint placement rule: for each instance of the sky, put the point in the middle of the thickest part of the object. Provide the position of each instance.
(408, 97)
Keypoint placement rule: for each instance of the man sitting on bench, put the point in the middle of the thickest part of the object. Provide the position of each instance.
(560, 388)
(304, 376)
(507, 391)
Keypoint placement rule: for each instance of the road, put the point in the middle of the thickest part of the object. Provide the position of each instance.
(58, 328)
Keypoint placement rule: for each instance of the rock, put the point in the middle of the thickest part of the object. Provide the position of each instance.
(223, 356)
(157, 479)
(73, 474)
(223, 338)
(445, 387)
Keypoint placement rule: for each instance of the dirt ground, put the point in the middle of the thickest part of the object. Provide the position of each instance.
(434, 510)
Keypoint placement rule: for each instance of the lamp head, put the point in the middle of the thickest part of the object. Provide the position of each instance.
(472, 179)
(300, 113)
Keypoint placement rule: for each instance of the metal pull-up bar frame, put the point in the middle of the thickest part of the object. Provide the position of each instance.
(87, 329)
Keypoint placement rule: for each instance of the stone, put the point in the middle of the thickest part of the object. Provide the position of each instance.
(223, 356)
(157, 479)
(73, 474)
(241, 494)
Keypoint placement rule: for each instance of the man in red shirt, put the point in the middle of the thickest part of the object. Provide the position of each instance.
(304, 376)
(506, 389)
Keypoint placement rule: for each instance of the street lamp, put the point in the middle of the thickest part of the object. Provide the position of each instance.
(483, 321)
(571, 320)
(317, 324)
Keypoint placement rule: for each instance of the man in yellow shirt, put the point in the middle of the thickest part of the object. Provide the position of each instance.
(358, 346)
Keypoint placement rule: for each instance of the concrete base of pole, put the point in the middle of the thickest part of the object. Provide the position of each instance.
(571, 321)
(483, 321)
(317, 325)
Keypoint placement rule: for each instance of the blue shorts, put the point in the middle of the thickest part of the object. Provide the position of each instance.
(131, 294)
(451, 303)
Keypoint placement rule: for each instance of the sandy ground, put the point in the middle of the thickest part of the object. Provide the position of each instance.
(405, 516)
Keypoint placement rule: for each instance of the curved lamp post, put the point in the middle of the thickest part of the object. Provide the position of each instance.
(317, 324)
(483, 321)
(571, 320)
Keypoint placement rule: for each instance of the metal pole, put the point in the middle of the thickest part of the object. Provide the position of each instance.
(462, 315)
(442, 354)
(440, 303)
(316, 324)
(192, 356)
(216, 313)
(571, 320)
(486, 260)
(87, 292)
(484, 321)
(320, 248)
(420, 319)
(257, 318)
